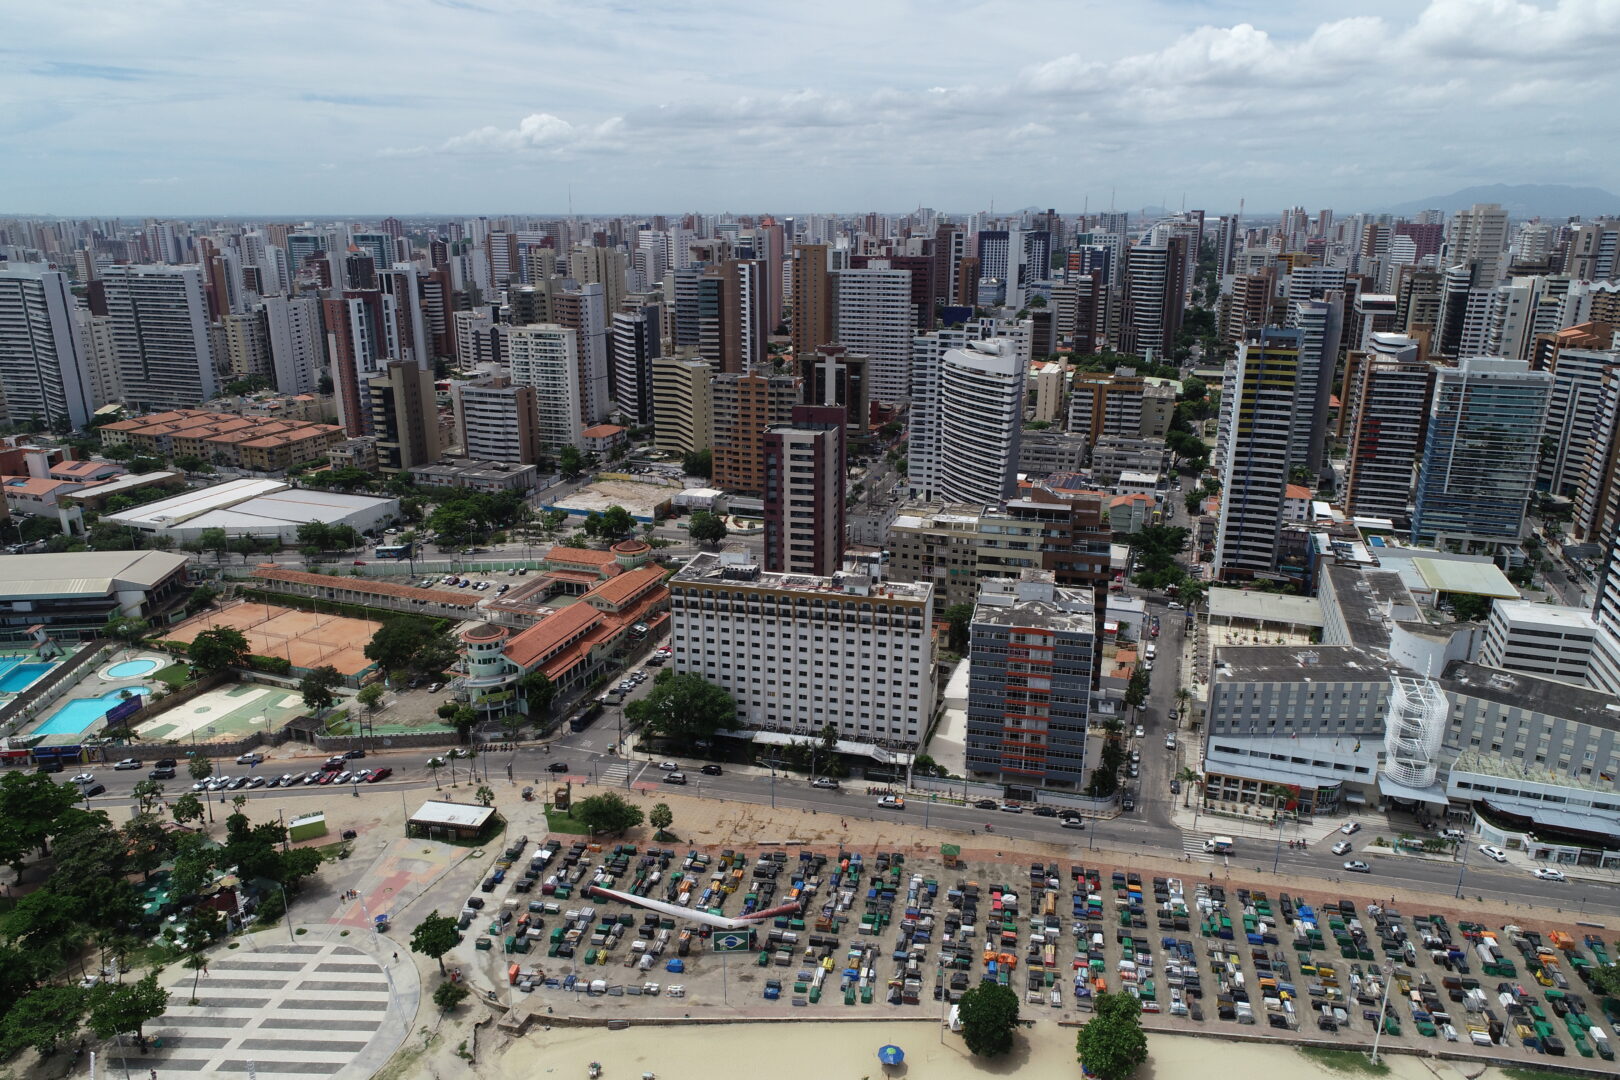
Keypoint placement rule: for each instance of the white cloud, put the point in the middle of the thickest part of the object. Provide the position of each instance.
(539, 132)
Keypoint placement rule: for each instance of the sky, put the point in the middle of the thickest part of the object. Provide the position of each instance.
(365, 107)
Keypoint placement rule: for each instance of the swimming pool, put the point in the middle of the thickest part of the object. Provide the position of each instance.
(17, 675)
(80, 713)
(129, 669)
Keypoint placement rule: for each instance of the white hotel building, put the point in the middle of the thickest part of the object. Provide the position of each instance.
(800, 651)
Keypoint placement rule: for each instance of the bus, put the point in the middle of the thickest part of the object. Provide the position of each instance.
(393, 551)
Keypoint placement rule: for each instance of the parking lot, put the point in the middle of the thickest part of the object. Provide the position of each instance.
(908, 935)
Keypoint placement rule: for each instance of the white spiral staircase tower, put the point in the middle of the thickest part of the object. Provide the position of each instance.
(1414, 727)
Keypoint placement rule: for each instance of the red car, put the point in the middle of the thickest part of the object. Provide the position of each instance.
(379, 774)
(327, 777)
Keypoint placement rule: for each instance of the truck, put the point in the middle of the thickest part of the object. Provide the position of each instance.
(1220, 845)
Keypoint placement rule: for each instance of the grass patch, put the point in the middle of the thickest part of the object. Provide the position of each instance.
(302, 930)
(1520, 1074)
(1345, 1061)
(158, 954)
(560, 821)
(176, 675)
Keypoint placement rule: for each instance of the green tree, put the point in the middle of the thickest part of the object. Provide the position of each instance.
(147, 793)
(1188, 777)
(607, 813)
(370, 696)
(201, 597)
(434, 936)
(1469, 607)
(397, 643)
(989, 1014)
(218, 649)
(1136, 691)
(1111, 1045)
(683, 708)
(126, 628)
(43, 1018)
(960, 616)
(538, 692)
(698, 463)
(213, 540)
(485, 795)
(117, 1008)
(186, 808)
(1606, 979)
(570, 462)
(447, 995)
(319, 688)
(36, 805)
(706, 528)
(661, 817)
(617, 522)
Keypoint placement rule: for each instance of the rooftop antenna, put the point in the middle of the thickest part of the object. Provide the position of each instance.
(1111, 192)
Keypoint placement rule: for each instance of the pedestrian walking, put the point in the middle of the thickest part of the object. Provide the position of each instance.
(396, 958)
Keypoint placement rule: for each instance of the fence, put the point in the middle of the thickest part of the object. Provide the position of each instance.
(967, 791)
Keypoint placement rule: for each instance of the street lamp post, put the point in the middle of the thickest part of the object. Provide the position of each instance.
(1462, 865)
(1389, 977)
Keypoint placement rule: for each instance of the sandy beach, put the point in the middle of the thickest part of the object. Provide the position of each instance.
(849, 1050)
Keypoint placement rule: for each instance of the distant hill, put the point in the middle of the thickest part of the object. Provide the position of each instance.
(1522, 200)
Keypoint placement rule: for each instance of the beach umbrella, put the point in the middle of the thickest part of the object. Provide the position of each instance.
(891, 1054)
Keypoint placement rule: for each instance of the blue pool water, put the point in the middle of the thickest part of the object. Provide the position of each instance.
(131, 668)
(16, 675)
(80, 713)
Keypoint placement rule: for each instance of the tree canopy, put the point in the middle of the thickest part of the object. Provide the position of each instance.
(683, 708)
(989, 1015)
(434, 936)
(607, 813)
(1111, 1045)
(218, 649)
(319, 687)
(706, 528)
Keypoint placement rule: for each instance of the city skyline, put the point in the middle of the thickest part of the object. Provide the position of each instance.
(168, 114)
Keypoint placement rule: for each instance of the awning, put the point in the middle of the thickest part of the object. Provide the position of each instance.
(1394, 789)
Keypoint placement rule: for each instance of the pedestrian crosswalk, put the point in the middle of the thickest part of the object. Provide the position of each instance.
(1192, 845)
(615, 773)
(280, 1009)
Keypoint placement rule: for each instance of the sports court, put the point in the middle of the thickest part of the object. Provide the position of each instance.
(306, 639)
(226, 713)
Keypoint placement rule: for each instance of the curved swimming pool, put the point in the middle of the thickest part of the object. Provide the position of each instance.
(130, 669)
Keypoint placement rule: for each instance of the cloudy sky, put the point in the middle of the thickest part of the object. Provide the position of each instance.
(192, 107)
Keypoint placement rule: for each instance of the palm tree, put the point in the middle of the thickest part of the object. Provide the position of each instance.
(1188, 777)
(1280, 796)
(434, 765)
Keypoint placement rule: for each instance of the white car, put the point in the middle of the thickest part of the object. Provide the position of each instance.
(1140, 731)
(1356, 866)
(127, 763)
(892, 802)
(668, 766)
(1343, 847)
(1350, 828)
(85, 778)
(824, 782)
(1547, 873)
(1494, 853)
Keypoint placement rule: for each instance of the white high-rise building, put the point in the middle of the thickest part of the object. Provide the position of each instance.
(101, 358)
(867, 671)
(874, 318)
(43, 360)
(1321, 323)
(971, 422)
(1480, 235)
(293, 327)
(546, 357)
(160, 327)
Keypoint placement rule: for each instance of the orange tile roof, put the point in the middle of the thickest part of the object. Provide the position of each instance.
(73, 467)
(30, 485)
(1296, 491)
(376, 588)
(602, 431)
(582, 555)
(623, 588)
(545, 637)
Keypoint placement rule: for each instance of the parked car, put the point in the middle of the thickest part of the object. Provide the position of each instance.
(1011, 808)
(1494, 853)
(255, 782)
(1356, 866)
(1140, 731)
(314, 777)
(985, 804)
(164, 763)
(380, 774)
(127, 763)
(1350, 828)
(161, 774)
(1044, 811)
(1547, 873)
(1175, 787)
(238, 784)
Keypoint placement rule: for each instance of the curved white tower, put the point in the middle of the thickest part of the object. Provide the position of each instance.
(1413, 729)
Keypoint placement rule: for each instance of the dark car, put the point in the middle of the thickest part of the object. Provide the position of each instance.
(675, 778)
(237, 784)
(986, 804)
(476, 903)
(355, 753)
(1044, 811)
(379, 774)
(1128, 803)
(95, 789)
(161, 774)
(710, 770)
(557, 766)
(48, 767)
(164, 763)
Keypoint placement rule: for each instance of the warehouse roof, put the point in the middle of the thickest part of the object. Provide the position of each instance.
(84, 573)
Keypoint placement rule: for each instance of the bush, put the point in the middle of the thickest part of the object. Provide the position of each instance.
(270, 665)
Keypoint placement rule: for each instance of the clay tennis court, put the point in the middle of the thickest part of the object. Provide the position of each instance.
(306, 639)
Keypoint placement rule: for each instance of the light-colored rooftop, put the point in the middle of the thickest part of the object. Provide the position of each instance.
(84, 573)
(738, 570)
(246, 504)
(1276, 608)
(1566, 618)
(1476, 578)
(452, 814)
(122, 483)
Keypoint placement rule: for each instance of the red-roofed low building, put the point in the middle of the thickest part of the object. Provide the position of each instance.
(1297, 503)
(602, 439)
(572, 645)
(38, 495)
(86, 470)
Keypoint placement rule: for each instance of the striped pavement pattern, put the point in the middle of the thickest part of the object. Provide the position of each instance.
(280, 1010)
